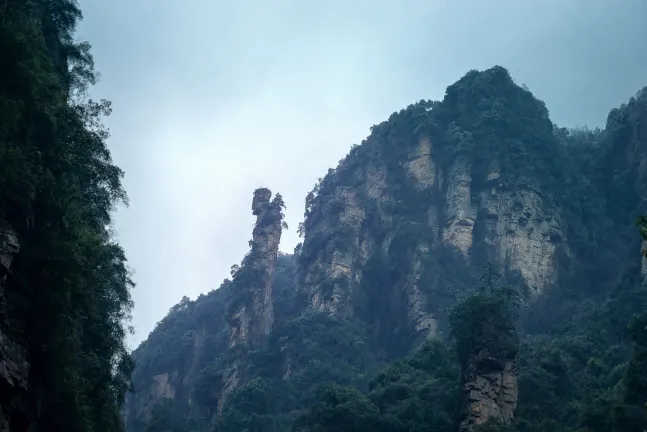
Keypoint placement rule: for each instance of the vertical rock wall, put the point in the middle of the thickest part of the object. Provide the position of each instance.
(17, 407)
(252, 320)
(490, 390)
(513, 224)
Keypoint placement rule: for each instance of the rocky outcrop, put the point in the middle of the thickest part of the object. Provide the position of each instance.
(17, 406)
(420, 165)
(161, 387)
(469, 173)
(419, 318)
(352, 224)
(359, 206)
(490, 391)
(212, 334)
(252, 319)
(521, 232)
(460, 213)
(252, 315)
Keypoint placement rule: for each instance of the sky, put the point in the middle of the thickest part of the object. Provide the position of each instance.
(213, 99)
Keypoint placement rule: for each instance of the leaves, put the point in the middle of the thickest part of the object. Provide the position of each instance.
(58, 188)
(487, 318)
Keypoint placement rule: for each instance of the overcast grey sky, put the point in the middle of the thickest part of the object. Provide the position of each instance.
(213, 99)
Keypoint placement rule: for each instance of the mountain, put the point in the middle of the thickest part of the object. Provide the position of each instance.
(470, 262)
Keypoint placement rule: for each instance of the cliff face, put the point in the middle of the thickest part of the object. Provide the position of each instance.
(253, 314)
(246, 317)
(490, 391)
(252, 320)
(193, 334)
(15, 413)
(427, 179)
(391, 239)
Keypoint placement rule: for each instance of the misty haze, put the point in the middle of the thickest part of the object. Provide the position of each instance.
(323, 216)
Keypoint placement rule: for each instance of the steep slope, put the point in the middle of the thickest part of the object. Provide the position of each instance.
(394, 237)
(487, 344)
(64, 283)
(251, 320)
(622, 163)
(222, 325)
(469, 179)
(252, 314)
(17, 403)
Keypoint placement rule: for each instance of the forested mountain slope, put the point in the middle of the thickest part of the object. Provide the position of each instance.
(64, 285)
(470, 266)
(493, 251)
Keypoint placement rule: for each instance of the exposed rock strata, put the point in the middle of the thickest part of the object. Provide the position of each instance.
(460, 214)
(245, 320)
(419, 318)
(490, 390)
(513, 224)
(521, 234)
(252, 320)
(421, 165)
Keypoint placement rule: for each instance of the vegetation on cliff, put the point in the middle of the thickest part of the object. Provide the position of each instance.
(68, 294)
(579, 347)
(578, 351)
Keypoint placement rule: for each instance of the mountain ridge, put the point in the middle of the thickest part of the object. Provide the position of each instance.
(396, 234)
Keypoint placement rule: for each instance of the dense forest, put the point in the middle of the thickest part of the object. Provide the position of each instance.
(65, 291)
(471, 266)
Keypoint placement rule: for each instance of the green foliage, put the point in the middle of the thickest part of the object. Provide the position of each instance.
(571, 374)
(341, 408)
(636, 375)
(165, 419)
(486, 319)
(420, 392)
(252, 408)
(309, 349)
(444, 274)
(247, 276)
(584, 373)
(58, 187)
(284, 287)
(416, 394)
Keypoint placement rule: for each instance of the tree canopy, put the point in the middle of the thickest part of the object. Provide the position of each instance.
(58, 188)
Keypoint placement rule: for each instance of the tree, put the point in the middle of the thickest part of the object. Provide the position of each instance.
(486, 319)
(164, 419)
(341, 408)
(58, 188)
(632, 413)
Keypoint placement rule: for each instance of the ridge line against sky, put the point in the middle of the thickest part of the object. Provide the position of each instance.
(213, 99)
